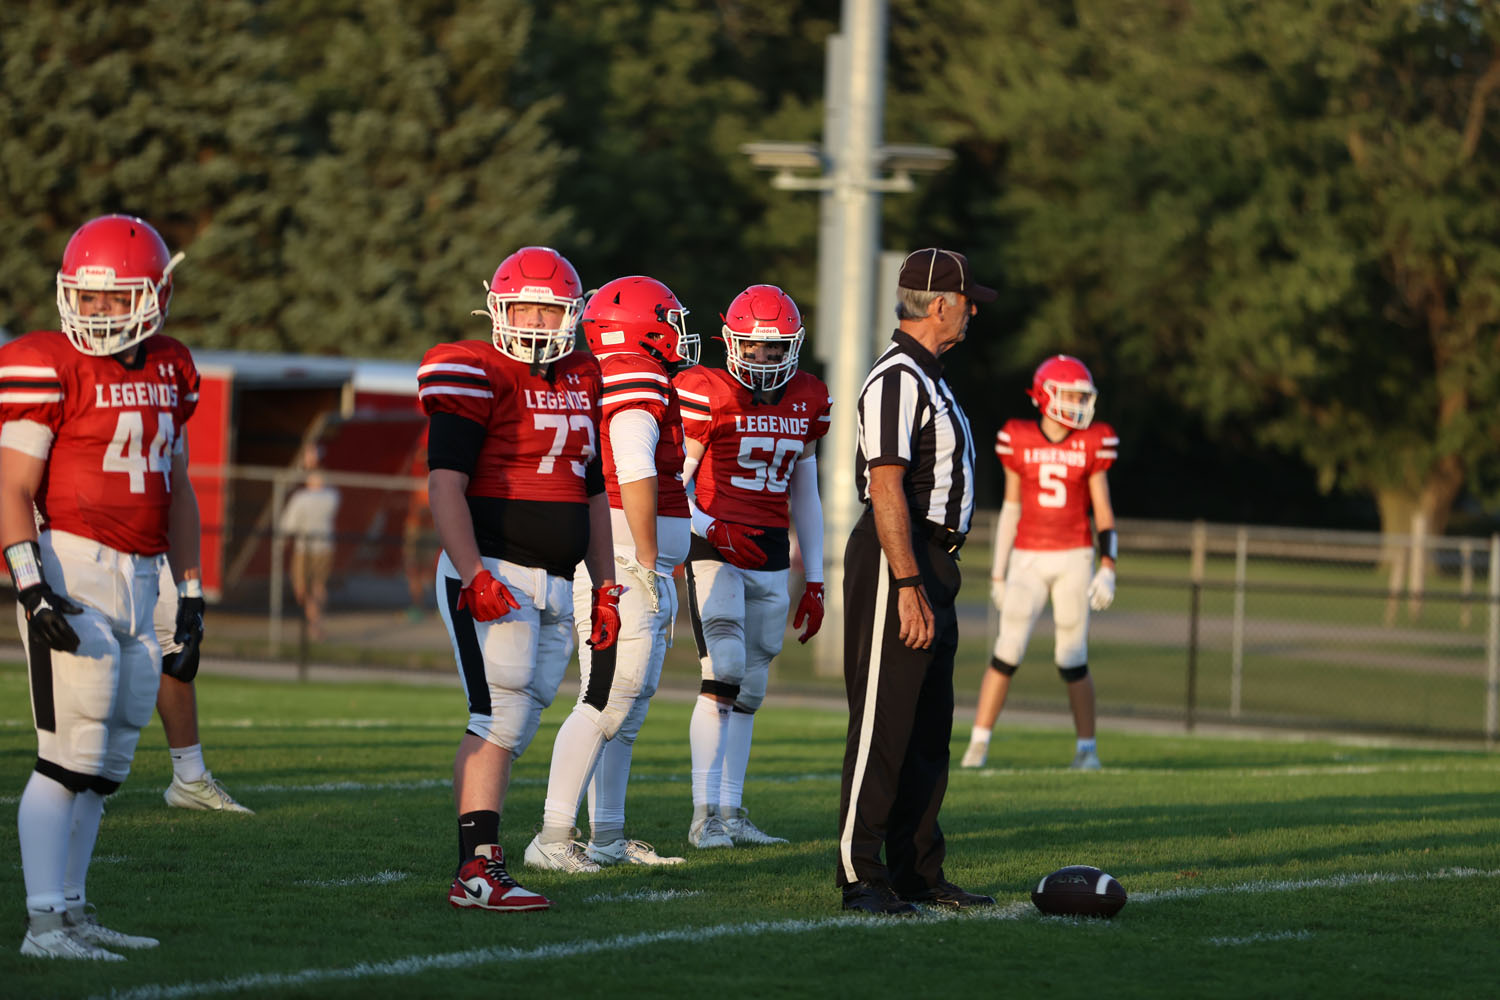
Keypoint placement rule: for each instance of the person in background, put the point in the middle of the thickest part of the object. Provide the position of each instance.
(308, 520)
(1056, 472)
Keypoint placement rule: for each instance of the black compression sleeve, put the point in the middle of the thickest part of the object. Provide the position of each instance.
(453, 442)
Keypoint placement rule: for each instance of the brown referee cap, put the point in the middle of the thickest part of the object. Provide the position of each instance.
(937, 270)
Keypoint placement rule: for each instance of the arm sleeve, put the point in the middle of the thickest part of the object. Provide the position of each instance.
(633, 434)
(1005, 538)
(807, 517)
(701, 521)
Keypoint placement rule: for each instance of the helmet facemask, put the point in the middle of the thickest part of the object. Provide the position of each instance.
(105, 334)
(1076, 412)
(532, 345)
(764, 375)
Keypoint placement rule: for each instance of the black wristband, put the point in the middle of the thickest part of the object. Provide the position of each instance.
(24, 560)
(908, 581)
(1109, 543)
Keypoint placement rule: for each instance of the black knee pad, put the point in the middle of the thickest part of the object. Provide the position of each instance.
(104, 786)
(721, 690)
(1071, 674)
(1005, 668)
(73, 781)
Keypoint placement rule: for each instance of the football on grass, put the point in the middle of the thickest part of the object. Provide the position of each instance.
(1079, 891)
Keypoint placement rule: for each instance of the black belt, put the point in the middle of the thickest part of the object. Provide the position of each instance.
(949, 541)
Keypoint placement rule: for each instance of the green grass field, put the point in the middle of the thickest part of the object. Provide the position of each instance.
(1256, 868)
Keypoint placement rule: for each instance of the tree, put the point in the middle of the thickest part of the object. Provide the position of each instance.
(1282, 215)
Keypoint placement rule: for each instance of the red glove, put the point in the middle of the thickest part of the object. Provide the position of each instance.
(605, 614)
(810, 610)
(734, 544)
(486, 598)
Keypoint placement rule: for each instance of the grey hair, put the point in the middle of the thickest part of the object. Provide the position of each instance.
(913, 303)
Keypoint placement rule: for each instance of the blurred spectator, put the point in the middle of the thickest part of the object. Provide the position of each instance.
(308, 520)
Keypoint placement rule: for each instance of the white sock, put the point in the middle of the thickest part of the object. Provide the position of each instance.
(607, 789)
(980, 734)
(88, 811)
(187, 763)
(1087, 745)
(736, 761)
(44, 819)
(707, 733)
(575, 752)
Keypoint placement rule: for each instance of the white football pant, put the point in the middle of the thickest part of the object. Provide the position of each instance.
(1033, 575)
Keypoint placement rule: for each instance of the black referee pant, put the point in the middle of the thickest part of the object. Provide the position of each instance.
(900, 718)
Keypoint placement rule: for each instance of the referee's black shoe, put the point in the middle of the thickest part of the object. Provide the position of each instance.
(945, 893)
(877, 898)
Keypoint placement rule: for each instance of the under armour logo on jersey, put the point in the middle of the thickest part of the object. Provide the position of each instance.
(799, 407)
(166, 369)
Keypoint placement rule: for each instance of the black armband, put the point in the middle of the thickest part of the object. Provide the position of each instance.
(1109, 543)
(908, 581)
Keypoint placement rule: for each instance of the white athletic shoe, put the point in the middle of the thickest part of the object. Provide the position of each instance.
(85, 925)
(205, 794)
(742, 831)
(1085, 760)
(562, 856)
(709, 831)
(976, 755)
(49, 937)
(628, 852)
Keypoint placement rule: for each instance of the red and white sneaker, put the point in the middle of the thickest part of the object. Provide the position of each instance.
(483, 882)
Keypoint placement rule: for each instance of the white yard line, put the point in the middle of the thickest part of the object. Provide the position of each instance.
(415, 964)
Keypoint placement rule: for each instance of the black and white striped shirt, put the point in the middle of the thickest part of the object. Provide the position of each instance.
(909, 416)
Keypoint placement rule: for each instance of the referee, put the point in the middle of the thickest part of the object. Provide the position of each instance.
(915, 472)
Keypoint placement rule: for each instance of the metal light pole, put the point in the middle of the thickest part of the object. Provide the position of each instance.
(852, 161)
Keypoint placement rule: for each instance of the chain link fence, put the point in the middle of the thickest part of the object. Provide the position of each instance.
(1218, 623)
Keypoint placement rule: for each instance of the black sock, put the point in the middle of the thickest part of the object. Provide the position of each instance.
(475, 829)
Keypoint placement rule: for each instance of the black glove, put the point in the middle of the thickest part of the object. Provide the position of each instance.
(184, 665)
(44, 606)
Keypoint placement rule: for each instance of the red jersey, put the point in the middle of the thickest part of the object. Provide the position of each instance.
(113, 431)
(540, 432)
(634, 381)
(750, 447)
(1055, 475)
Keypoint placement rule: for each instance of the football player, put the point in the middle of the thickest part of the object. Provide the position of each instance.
(94, 496)
(193, 784)
(1056, 469)
(636, 328)
(752, 428)
(518, 500)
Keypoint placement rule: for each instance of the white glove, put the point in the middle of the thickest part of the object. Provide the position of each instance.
(1102, 589)
(646, 578)
(997, 595)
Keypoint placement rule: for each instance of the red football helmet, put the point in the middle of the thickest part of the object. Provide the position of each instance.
(640, 315)
(537, 276)
(1060, 374)
(114, 253)
(762, 314)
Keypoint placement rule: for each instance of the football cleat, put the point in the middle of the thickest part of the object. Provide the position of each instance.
(1085, 760)
(206, 794)
(742, 831)
(559, 856)
(628, 852)
(49, 937)
(482, 882)
(976, 755)
(709, 831)
(85, 926)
